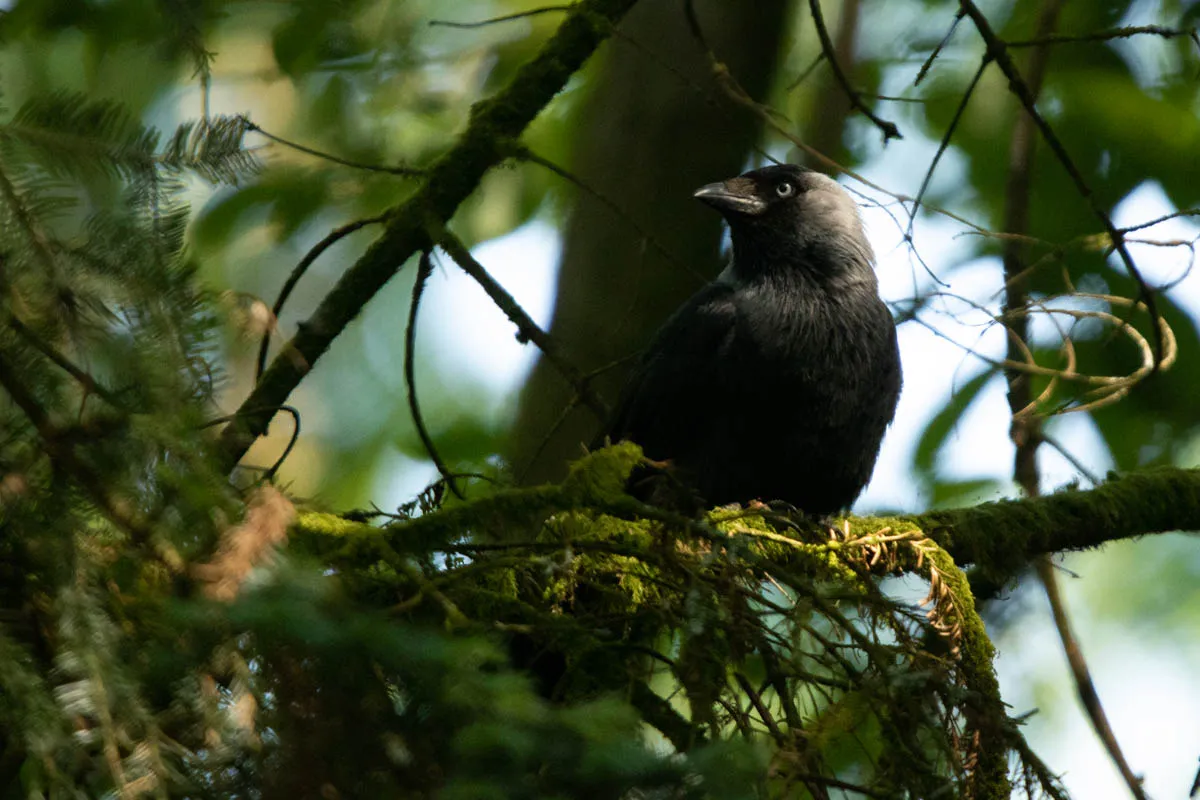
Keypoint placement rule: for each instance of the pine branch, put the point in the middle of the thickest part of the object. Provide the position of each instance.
(212, 149)
(76, 136)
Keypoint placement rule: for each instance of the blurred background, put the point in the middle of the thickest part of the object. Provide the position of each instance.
(597, 237)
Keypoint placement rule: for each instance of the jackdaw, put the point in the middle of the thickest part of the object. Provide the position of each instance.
(776, 381)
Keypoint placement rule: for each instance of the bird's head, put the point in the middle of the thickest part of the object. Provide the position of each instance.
(789, 217)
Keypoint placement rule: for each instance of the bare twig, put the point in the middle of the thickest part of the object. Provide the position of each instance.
(999, 53)
(407, 172)
(525, 154)
(271, 471)
(1187, 212)
(1101, 36)
(527, 329)
(943, 145)
(928, 64)
(1084, 686)
(889, 129)
(495, 122)
(442, 23)
(764, 713)
(1026, 428)
(334, 236)
(1079, 466)
(424, 269)
(804, 73)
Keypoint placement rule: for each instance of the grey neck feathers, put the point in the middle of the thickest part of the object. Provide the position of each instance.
(828, 258)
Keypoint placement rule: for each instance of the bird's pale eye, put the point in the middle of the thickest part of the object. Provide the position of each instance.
(785, 189)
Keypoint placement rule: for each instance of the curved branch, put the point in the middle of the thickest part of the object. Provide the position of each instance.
(997, 49)
(334, 236)
(495, 123)
(424, 269)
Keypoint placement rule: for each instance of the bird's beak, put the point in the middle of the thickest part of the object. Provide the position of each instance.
(732, 196)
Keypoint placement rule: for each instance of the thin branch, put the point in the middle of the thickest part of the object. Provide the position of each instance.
(928, 64)
(943, 146)
(999, 53)
(804, 73)
(495, 123)
(1082, 676)
(771, 119)
(1026, 428)
(407, 172)
(271, 471)
(527, 329)
(889, 129)
(1187, 212)
(1100, 36)
(1071, 458)
(433, 23)
(424, 269)
(764, 713)
(335, 236)
(525, 154)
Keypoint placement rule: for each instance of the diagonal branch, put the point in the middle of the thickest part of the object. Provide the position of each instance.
(61, 450)
(81, 376)
(944, 144)
(527, 329)
(495, 123)
(998, 51)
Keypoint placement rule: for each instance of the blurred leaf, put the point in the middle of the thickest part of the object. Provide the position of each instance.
(942, 426)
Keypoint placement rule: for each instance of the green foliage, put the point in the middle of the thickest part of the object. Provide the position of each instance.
(1123, 110)
(557, 641)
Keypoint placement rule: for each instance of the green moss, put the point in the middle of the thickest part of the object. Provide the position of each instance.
(607, 579)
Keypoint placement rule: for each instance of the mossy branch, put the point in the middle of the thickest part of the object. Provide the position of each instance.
(1002, 538)
(999, 538)
(495, 125)
(586, 546)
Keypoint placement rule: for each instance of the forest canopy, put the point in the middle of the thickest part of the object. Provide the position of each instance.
(271, 527)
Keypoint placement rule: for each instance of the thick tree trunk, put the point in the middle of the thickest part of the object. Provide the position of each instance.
(655, 128)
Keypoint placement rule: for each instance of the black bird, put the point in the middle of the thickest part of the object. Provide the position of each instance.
(777, 380)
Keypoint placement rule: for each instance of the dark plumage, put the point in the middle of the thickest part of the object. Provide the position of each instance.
(777, 380)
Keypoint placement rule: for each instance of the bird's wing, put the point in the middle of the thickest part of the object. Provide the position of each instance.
(666, 397)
